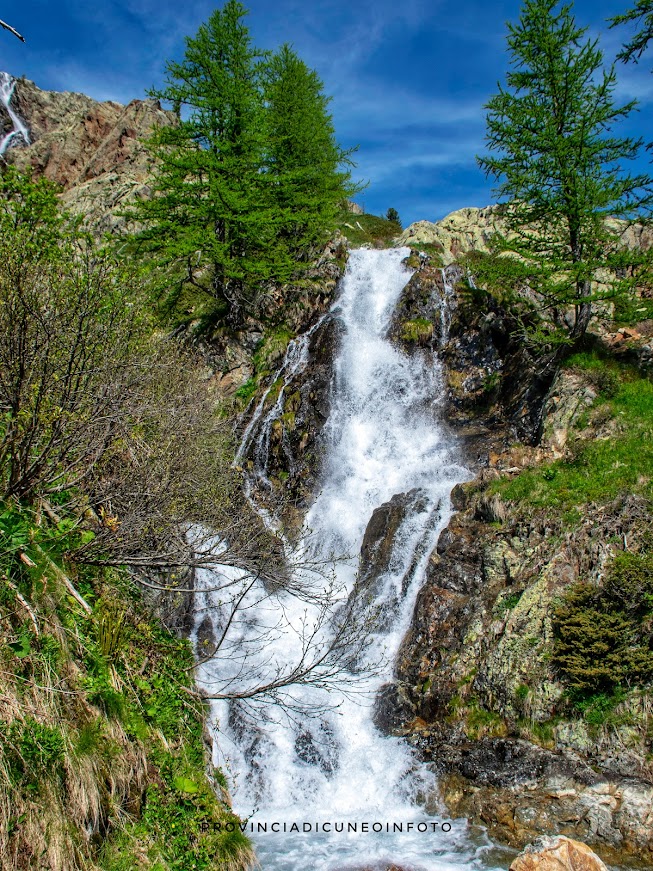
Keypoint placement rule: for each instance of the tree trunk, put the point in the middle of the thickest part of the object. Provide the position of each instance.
(583, 311)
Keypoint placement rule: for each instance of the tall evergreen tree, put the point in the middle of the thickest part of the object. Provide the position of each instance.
(305, 166)
(211, 213)
(559, 166)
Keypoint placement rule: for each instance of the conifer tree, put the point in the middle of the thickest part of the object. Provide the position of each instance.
(211, 212)
(305, 166)
(559, 166)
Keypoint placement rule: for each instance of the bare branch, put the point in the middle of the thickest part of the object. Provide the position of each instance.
(12, 30)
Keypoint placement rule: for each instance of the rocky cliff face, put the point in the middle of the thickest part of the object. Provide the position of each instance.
(475, 690)
(92, 149)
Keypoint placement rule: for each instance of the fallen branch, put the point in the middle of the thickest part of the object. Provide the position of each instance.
(63, 577)
(23, 601)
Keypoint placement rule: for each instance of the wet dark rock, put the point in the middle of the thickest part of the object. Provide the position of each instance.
(380, 539)
(392, 709)
(417, 318)
(506, 763)
(318, 749)
(295, 453)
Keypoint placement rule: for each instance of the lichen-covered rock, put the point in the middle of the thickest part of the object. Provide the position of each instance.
(92, 149)
(461, 231)
(557, 854)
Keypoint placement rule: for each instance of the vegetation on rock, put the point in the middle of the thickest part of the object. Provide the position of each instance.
(603, 635)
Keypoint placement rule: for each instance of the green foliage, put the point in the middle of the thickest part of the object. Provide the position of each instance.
(642, 13)
(247, 390)
(250, 178)
(599, 469)
(33, 750)
(632, 310)
(392, 215)
(599, 709)
(560, 166)
(303, 160)
(604, 635)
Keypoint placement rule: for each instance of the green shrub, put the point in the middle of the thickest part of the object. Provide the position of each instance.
(603, 636)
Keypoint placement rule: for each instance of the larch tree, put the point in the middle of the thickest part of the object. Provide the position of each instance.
(559, 168)
(305, 166)
(210, 215)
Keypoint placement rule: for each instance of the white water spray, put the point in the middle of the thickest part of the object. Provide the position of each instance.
(19, 131)
(336, 769)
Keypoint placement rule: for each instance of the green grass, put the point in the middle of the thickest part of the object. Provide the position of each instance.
(368, 230)
(601, 468)
(417, 330)
(129, 713)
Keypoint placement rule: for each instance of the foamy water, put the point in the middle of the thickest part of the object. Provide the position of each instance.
(345, 793)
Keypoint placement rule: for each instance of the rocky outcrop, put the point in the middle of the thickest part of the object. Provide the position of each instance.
(93, 150)
(557, 854)
(460, 232)
(470, 229)
(474, 690)
(495, 386)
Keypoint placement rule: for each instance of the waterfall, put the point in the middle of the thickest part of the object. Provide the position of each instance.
(7, 85)
(352, 793)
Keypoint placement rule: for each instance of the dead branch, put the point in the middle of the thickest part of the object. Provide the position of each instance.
(12, 30)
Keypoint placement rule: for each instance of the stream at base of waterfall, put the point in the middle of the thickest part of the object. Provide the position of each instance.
(316, 782)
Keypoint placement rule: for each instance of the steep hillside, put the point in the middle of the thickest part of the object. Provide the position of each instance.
(92, 149)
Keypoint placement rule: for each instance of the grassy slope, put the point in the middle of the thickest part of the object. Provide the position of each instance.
(598, 468)
(102, 759)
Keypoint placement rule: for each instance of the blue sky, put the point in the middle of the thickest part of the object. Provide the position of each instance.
(408, 78)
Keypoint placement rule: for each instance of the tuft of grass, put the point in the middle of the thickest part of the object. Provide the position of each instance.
(417, 331)
(270, 350)
(246, 390)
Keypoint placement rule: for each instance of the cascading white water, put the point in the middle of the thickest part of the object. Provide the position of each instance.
(335, 769)
(7, 85)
